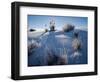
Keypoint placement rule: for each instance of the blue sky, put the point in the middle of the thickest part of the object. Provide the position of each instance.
(42, 21)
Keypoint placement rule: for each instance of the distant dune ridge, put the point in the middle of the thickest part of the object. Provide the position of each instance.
(36, 34)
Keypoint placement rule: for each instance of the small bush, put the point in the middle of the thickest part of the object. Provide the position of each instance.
(68, 27)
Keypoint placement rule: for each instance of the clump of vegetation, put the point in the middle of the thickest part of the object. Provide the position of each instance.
(76, 43)
(32, 30)
(68, 27)
(52, 25)
(33, 46)
(46, 30)
(52, 58)
(62, 60)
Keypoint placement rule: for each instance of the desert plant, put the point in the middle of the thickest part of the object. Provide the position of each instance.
(68, 27)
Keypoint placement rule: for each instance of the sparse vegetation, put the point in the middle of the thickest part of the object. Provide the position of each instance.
(68, 27)
(32, 30)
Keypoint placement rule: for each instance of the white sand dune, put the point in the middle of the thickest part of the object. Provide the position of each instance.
(62, 36)
(63, 39)
(36, 34)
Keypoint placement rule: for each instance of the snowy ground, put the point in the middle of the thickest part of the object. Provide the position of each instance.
(55, 48)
